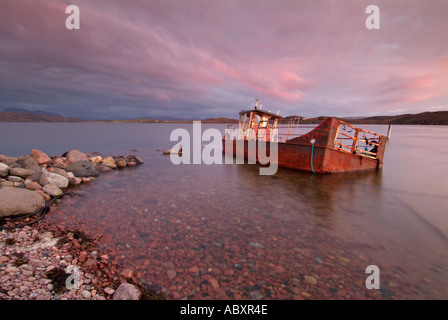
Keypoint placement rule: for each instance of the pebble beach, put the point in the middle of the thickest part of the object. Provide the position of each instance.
(42, 260)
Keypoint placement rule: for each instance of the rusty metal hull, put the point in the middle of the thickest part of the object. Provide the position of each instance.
(298, 153)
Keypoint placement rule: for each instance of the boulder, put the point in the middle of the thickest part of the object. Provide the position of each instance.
(40, 157)
(121, 161)
(102, 168)
(4, 170)
(133, 160)
(52, 190)
(58, 160)
(74, 156)
(53, 178)
(7, 160)
(28, 163)
(58, 171)
(20, 172)
(127, 291)
(17, 201)
(15, 179)
(96, 159)
(83, 168)
(33, 186)
(110, 162)
(74, 181)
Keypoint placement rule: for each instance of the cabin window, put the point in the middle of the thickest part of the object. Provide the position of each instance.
(264, 121)
(257, 119)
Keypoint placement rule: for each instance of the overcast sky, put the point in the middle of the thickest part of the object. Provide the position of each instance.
(211, 58)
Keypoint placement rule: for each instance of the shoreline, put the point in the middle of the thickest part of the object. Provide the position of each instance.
(48, 260)
(36, 260)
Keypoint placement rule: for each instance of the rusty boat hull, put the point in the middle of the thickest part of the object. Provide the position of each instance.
(318, 151)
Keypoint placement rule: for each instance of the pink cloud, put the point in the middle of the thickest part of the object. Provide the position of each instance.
(314, 54)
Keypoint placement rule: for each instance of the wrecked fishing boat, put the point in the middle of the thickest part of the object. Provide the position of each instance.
(332, 146)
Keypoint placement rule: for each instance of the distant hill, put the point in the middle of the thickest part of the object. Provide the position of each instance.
(35, 117)
(219, 120)
(16, 110)
(143, 120)
(423, 118)
(432, 118)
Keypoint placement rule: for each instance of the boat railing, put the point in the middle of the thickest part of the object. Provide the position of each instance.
(357, 141)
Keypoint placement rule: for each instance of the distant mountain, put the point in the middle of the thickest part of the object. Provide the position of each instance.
(425, 118)
(432, 118)
(21, 110)
(35, 117)
(429, 118)
(219, 120)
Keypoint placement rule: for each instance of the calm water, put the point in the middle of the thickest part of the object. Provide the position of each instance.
(271, 237)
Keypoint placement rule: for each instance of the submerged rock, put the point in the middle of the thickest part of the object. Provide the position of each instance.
(110, 162)
(83, 169)
(102, 168)
(127, 291)
(133, 160)
(18, 201)
(121, 161)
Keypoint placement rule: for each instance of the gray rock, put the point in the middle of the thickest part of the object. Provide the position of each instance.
(86, 294)
(102, 168)
(53, 178)
(36, 175)
(4, 170)
(28, 163)
(83, 168)
(127, 291)
(60, 172)
(15, 179)
(16, 201)
(256, 295)
(20, 172)
(52, 190)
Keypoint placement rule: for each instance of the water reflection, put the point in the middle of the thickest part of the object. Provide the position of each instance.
(259, 236)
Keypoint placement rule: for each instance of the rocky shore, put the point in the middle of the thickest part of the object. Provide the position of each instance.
(38, 174)
(44, 261)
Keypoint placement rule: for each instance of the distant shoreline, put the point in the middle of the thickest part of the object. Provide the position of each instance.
(424, 118)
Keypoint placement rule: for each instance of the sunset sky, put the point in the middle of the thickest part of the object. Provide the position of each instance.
(211, 58)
